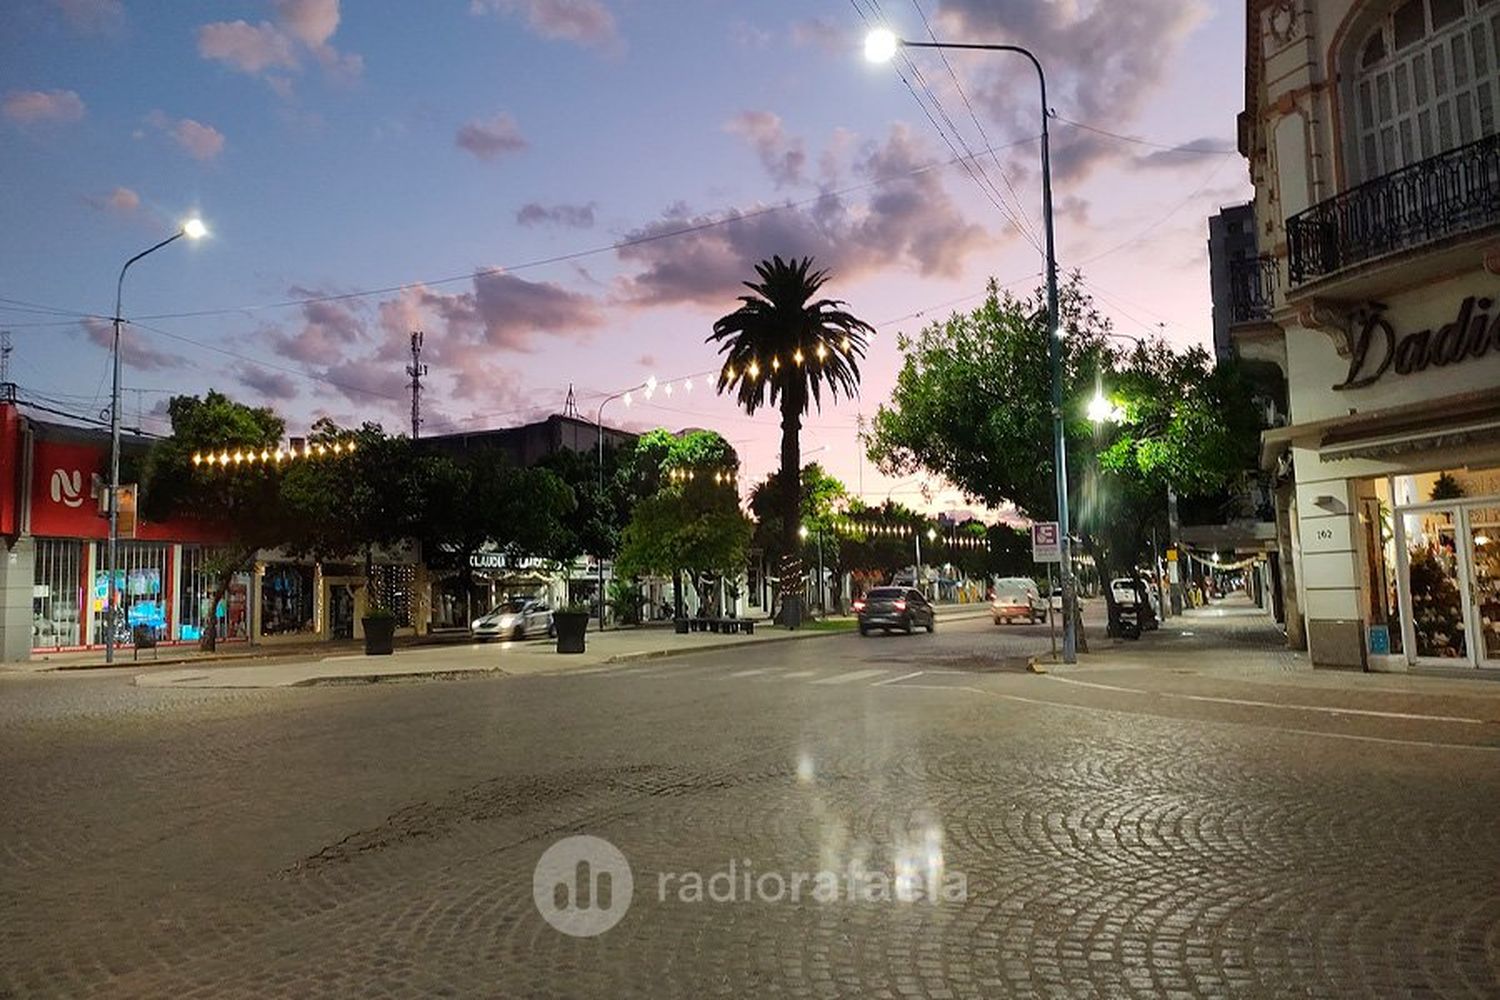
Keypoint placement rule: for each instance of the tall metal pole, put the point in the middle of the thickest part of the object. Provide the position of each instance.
(599, 422)
(1054, 346)
(112, 609)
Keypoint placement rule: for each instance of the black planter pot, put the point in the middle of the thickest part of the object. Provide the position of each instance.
(380, 636)
(680, 626)
(570, 628)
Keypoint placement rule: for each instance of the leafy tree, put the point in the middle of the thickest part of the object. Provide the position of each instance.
(483, 502)
(689, 518)
(242, 499)
(973, 404)
(347, 504)
(823, 500)
(784, 346)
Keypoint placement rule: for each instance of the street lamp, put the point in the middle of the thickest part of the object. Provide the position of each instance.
(881, 46)
(650, 386)
(193, 229)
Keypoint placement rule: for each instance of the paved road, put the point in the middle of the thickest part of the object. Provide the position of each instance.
(1170, 829)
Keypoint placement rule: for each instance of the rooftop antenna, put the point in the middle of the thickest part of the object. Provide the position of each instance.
(570, 405)
(416, 370)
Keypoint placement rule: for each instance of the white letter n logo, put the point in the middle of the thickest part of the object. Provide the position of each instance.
(67, 488)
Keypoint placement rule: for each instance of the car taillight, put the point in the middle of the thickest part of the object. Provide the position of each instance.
(900, 605)
(859, 605)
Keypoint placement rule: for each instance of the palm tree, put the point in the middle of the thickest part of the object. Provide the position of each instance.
(783, 346)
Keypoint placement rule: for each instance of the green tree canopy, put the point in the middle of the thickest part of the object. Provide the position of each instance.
(243, 500)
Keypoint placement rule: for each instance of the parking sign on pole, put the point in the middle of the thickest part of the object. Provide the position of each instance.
(1046, 544)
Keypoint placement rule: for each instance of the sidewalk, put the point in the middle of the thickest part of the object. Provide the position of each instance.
(1232, 644)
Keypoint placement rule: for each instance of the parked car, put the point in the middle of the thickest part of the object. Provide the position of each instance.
(514, 619)
(1015, 598)
(1127, 590)
(888, 608)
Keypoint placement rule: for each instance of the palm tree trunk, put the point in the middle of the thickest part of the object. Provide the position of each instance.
(792, 585)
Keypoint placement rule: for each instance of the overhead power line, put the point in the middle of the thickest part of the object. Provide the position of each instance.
(1187, 149)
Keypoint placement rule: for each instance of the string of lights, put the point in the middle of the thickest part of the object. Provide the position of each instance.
(249, 456)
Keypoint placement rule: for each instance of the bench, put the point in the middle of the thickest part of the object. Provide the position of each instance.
(143, 637)
(729, 626)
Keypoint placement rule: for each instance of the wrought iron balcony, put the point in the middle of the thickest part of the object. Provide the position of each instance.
(1445, 195)
(1252, 288)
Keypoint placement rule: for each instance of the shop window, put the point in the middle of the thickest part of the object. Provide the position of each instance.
(286, 600)
(140, 581)
(57, 594)
(197, 590)
(394, 590)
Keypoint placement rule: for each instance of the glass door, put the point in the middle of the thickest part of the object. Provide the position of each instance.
(1437, 625)
(1482, 529)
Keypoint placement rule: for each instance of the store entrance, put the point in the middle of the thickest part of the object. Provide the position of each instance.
(340, 611)
(1450, 568)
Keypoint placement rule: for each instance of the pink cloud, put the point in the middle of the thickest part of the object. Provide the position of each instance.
(30, 107)
(120, 201)
(270, 50)
(135, 351)
(910, 221)
(329, 330)
(490, 139)
(312, 22)
(249, 48)
(585, 22)
(271, 385)
(92, 17)
(784, 157)
(200, 141)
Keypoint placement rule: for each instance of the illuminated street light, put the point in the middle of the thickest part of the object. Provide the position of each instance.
(881, 46)
(193, 229)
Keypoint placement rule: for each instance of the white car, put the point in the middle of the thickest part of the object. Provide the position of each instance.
(514, 619)
(1017, 598)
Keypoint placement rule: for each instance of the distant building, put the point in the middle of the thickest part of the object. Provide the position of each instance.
(1231, 252)
(528, 444)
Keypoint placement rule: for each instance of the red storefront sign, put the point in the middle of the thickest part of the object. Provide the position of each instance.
(67, 481)
(63, 501)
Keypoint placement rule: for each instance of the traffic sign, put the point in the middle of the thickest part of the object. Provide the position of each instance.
(1046, 545)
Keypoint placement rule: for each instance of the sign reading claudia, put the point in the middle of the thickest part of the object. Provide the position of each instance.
(1376, 348)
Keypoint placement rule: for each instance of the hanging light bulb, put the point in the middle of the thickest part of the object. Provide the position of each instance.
(754, 369)
(844, 343)
(776, 364)
(822, 352)
(667, 388)
(687, 385)
(628, 400)
(797, 356)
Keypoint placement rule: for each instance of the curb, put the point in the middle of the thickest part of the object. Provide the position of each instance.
(666, 654)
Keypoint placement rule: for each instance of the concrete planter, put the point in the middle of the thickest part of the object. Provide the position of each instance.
(570, 626)
(380, 636)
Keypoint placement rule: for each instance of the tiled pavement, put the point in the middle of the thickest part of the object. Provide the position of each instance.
(380, 840)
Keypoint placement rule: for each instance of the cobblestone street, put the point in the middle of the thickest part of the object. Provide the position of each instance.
(1179, 823)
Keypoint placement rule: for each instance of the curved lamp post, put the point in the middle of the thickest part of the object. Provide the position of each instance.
(599, 421)
(193, 229)
(881, 46)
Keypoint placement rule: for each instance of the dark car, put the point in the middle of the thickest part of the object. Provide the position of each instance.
(890, 608)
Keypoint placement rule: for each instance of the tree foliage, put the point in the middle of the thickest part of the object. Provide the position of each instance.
(785, 345)
(241, 500)
(973, 404)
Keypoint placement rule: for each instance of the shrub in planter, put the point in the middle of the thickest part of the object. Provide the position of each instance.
(380, 632)
(570, 623)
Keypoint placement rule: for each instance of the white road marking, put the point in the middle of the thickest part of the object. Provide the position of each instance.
(800, 673)
(852, 676)
(1252, 703)
(898, 680)
(748, 673)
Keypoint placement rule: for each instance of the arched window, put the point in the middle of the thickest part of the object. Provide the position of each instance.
(1424, 80)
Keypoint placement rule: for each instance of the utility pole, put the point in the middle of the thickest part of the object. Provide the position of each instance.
(7, 387)
(416, 370)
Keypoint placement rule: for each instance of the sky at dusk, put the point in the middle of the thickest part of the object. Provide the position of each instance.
(569, 192)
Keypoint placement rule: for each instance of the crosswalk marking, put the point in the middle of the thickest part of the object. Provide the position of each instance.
(851, 677)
